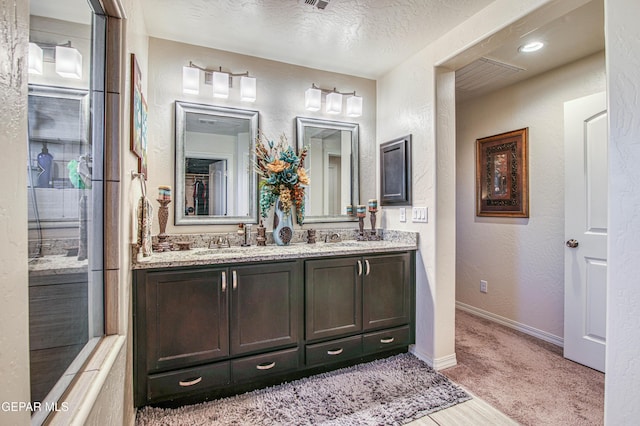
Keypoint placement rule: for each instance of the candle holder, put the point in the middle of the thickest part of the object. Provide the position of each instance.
(349, 210)
(373, 236)
(262, 235)
(361, 212)
(163, 216)
(311, 236)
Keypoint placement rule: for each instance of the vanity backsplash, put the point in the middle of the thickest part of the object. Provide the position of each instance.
(299, 236)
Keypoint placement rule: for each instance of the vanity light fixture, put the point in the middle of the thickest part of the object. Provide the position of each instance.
(312, 99)
(531, 47)
(333, 101)
(247, 89)
(190, 80)
(354, 106)
(35, 59)
(220, 80)
(68, 59)
(221, 84)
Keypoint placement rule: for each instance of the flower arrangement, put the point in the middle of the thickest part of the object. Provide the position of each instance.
(282, 176)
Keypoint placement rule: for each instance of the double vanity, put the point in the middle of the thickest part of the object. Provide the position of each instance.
(210, 322)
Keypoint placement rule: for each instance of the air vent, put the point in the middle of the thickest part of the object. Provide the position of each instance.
(320, 4)
(483, 72)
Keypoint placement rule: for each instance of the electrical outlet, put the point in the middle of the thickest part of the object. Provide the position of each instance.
(419, 214)
(483, 286)
(403, 214)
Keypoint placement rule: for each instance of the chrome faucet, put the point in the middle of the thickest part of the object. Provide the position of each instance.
(332, 238)
(219, 242)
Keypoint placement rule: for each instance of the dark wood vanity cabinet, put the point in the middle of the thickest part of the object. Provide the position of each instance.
(333, 296)
(264, 306)
(192, 325)
(186, 317)
(202, 331)
(348, 297)
(386, 291)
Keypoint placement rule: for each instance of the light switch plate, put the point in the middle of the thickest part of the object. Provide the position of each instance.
(403, 214)
(419, 214)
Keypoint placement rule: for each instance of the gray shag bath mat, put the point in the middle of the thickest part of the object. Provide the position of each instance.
(389, 391)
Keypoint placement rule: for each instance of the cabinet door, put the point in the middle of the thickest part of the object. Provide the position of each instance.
(387, 291)
(186, 317)
(333, 297)
(265, 311)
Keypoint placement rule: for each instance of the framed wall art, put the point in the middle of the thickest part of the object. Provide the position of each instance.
(138, 116)
(395, 172)
(502, 175)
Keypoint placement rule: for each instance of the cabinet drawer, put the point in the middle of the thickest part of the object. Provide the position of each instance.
(188, 380)
(254, 367)
(386, 339)
(334, 351)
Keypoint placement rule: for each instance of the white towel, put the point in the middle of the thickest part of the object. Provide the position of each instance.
(145, 220)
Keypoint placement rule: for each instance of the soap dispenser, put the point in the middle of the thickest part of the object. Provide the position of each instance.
(45, 161)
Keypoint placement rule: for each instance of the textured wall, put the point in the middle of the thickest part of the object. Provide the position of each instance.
(522, 259)
(136, 41)
(622, 394)
(280, 99)
(408, 103)
(14, 306)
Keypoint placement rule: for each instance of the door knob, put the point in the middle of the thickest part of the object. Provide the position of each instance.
(572, 243)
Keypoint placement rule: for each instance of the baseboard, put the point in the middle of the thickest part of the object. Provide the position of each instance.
(531, 331)
(438, 363)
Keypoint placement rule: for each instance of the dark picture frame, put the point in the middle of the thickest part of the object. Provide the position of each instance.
(502, 174)
(395, 172)
(138, 116)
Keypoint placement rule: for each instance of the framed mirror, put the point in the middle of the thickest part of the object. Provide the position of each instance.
(215, 181)
(332, 163)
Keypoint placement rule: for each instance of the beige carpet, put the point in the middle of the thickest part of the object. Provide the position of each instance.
(524, 377)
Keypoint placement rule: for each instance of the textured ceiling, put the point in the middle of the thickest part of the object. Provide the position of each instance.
(357, 37)
(577, 34)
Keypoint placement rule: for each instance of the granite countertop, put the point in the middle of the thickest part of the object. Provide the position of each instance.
(237, 254)
(57, 265)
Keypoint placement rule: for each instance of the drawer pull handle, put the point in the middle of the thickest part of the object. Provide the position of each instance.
(387, 340)
(190, 382)
(335, 351)
(359, 267)
(366, 262)
(234, 279)
(224, 281)
(265, 366)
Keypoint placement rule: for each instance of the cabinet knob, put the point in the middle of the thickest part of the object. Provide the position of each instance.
(366, 263)
(335, 351)
(190, 382)
(359, 267)
(224, 281)
(234, 279)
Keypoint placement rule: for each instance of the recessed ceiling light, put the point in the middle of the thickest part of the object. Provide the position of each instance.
(531, 47)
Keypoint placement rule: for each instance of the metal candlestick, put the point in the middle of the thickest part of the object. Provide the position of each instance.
(163, 216)
(373, 236)
(361, 236)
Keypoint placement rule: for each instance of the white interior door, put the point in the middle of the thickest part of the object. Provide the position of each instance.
(586, 201)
